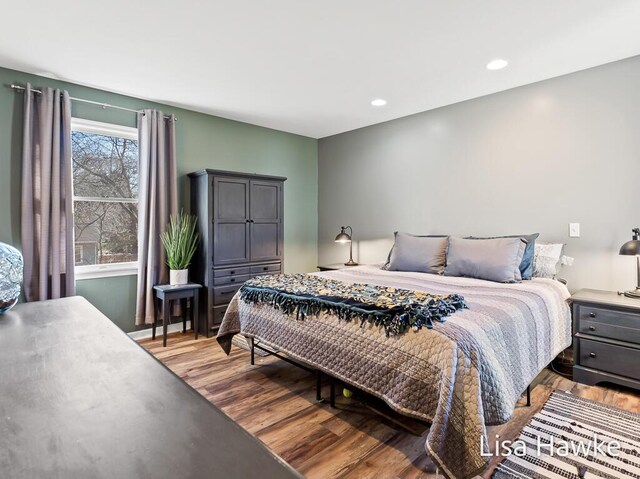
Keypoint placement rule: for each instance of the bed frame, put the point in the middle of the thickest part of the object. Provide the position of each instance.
(332, 381)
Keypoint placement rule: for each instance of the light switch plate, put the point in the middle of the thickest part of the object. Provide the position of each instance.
(574, 230)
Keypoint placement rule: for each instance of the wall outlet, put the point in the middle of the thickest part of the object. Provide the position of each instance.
(574, 230)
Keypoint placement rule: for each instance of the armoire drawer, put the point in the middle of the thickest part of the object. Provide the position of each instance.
(266, 268)
(217, 316)
(219, 273)
(610, 358)
(223, 294)
(231, 280)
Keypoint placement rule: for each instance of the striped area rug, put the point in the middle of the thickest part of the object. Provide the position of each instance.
(587, 430)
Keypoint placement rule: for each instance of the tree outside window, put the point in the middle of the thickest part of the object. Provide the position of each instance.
(105, 183)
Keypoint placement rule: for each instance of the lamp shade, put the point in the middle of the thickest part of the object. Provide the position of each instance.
(343, 237)
(632, 247)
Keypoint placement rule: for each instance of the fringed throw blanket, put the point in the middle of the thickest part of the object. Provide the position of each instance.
(396, 310)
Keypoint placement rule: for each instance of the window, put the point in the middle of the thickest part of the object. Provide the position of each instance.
(105, 201)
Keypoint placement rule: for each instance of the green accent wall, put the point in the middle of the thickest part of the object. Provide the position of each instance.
(202, 141)
(115, 297)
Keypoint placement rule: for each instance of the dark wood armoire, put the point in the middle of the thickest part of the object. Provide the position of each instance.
(241, 228)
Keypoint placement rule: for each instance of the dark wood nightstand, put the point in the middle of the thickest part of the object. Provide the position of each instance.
(333, 267)
(606, 328)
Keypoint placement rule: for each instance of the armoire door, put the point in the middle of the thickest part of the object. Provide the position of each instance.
(266, 220)
(231, 231)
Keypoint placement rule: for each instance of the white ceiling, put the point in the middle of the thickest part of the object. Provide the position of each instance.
(312, 67)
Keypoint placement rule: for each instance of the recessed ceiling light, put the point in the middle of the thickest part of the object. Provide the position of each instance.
(379, 102)
(497, 64)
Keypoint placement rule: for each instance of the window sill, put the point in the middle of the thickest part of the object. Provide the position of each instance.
(96, 271)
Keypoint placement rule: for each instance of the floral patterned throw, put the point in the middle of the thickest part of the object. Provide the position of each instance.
(396, 310)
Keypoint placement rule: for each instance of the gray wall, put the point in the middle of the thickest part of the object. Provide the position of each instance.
(531, 159)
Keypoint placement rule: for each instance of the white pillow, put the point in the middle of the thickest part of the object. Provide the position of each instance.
(546, 257)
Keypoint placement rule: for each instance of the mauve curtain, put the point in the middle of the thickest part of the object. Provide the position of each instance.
(47, 195)
(157, 200)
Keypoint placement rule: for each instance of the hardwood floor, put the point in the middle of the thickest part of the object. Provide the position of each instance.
(275, 401)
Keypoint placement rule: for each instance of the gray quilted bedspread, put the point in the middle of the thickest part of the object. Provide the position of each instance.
(461, 376)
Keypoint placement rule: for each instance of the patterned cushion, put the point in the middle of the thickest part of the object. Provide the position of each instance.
(546, 257)
(491, 259)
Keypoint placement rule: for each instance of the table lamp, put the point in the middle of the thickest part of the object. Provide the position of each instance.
(343, 237)
(630, 248)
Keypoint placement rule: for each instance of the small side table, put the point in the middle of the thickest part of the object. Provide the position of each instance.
(167, 293)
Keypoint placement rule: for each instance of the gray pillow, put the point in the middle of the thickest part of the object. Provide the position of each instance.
(422, 254)
(386, 264)
(491, 259)
(526, 266)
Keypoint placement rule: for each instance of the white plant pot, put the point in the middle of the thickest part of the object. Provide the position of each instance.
(178, 276)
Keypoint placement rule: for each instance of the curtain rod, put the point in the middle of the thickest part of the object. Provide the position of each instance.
(20, 88)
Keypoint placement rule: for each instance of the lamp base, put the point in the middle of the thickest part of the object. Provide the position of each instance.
(351, 263)
(633, 294)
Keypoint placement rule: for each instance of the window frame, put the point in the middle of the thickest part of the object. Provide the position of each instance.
(94, 271)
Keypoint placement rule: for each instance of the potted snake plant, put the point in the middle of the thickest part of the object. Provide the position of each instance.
(180, 241)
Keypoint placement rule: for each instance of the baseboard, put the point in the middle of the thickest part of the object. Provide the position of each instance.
(147, 333)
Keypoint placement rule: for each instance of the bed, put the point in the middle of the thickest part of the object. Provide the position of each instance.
(461, 376)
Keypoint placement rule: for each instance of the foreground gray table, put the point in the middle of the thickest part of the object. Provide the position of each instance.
(79, 399)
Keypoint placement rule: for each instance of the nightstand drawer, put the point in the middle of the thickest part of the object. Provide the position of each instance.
(609, 316)
(612, 331)
(611, 358)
